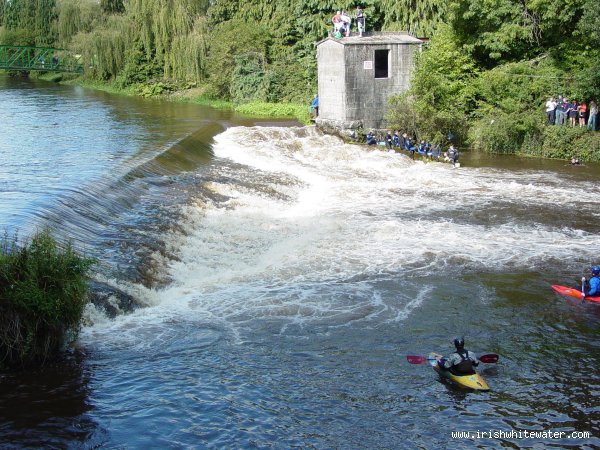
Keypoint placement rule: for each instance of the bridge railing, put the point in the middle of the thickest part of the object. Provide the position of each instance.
(14, 57)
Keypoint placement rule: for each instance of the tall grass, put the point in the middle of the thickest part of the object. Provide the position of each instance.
(43, 290)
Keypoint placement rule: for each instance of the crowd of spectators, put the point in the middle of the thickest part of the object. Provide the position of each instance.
(571, 113)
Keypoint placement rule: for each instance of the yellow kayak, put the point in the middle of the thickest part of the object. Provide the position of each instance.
(473, 381)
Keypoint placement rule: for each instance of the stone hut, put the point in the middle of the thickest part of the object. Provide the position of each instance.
(357, 75)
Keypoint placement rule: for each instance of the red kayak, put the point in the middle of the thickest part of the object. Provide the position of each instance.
(571, 292)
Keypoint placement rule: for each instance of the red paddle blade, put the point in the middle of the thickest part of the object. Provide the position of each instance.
(491, 358)
(413, 359)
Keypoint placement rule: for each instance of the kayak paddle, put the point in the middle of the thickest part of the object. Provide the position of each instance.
(489, 359)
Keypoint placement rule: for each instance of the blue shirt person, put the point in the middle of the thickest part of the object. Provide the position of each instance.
(314, 106)
(593, 286)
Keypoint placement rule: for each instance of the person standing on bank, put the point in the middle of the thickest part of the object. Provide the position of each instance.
(314, 106)
(550, 107)
(593, 114)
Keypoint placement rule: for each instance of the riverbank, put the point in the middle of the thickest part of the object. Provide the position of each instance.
(561, 143)
(191, 94)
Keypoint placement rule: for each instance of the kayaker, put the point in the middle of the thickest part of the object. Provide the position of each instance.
(592, 287)
(461, 362)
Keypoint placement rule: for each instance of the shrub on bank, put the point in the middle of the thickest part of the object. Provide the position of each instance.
(43, 290)
(561, 142)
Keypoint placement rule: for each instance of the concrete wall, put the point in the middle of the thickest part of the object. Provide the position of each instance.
(367, 96)
(331, 80)
(349, 94)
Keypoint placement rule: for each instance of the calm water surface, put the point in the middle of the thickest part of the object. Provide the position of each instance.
(277, 278)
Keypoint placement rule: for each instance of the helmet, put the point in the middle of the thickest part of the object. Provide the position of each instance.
(459, 343)
(595, 270)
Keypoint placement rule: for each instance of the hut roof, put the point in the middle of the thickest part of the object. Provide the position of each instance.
(376, 38)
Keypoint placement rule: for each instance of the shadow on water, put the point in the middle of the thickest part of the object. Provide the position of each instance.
(48, 407)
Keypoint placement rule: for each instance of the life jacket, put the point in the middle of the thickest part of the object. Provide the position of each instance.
(588, 286)
(465, 367)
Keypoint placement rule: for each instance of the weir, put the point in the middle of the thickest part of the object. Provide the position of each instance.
(47, 59)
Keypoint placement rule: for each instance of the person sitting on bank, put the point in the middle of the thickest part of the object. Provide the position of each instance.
(370, 138)
(592, 287)
(461, 362)
(389, 140)
(396, 139)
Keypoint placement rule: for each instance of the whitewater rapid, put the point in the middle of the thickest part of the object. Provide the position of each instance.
(295, 226)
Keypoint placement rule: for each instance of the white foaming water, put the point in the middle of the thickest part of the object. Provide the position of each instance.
(313, 231)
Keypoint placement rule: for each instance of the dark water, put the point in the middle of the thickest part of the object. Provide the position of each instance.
(279, 279)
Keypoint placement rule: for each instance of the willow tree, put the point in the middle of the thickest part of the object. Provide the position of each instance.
(76, 16)
(29, 22)
(164, 28)
(187, 58)
(112, 6)
(419, 17)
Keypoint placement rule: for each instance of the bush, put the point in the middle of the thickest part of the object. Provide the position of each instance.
(561, 142)
(504, 133)
(43, 290)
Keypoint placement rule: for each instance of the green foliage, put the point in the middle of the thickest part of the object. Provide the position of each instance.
(75, 16)
(34, 16)
(138, 68)
(441, 93)
(420, 17)
(249, 79)
(495, 31)
(17, 36)
(561, 142)
(228, 40)
(112, 6)
(43, 290)
(299, 112)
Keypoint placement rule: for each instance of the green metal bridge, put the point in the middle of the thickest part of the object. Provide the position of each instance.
(22, 58)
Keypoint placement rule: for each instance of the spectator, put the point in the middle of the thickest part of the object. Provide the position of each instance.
(581, 112)
(360, 20)
(314, 107)
(346, 22)
(452, 155)
(370, 138)
(337, 23)
(388, 140)
(550, 109)
(593, 116)
(436, 152)
(563, 111)
(572, 113)
(396, 139)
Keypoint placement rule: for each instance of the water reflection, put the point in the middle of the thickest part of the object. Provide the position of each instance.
(47, 406)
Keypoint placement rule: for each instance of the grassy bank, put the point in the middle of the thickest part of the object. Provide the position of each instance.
(191, 94)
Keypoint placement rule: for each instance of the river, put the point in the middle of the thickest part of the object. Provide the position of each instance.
(268, 282)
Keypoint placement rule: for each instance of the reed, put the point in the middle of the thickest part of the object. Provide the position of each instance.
(43, 291)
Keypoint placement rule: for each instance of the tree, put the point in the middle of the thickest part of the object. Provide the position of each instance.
(440, 97)
(112, 6)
